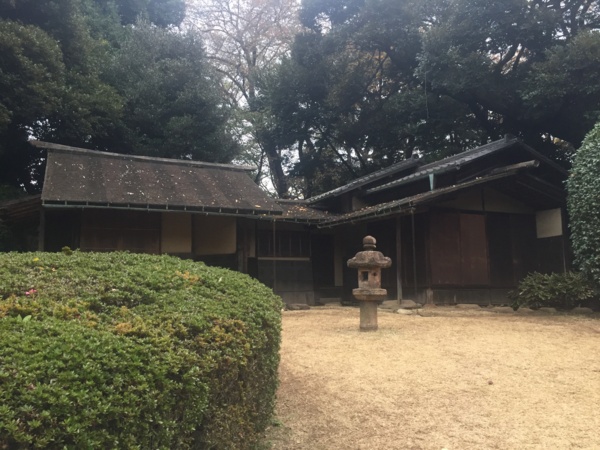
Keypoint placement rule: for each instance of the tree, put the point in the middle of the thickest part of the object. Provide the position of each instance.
(162, 13)
(31, 83)
(62, 80)
(244, 38)
(583, 201)
(395, 77)
(529, 64)
(171, 102)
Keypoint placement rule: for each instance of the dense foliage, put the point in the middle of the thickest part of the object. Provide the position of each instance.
(362, 85)
(583, 202)
(133, 351)
(372, 81)
(77, 72)
(555, 290)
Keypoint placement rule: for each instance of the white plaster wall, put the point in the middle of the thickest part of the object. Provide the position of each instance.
(548, 223)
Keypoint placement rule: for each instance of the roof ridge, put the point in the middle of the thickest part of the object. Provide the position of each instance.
(103, 154)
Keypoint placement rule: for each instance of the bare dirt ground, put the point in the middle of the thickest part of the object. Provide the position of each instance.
(446, 380)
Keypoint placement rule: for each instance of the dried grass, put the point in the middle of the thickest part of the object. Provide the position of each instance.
(451, 380)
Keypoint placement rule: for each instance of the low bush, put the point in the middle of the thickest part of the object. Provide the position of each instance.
(121, 350)
(556, 290)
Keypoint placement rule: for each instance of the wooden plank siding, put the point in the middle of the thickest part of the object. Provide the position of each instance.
(474, 261)
(444, 246)
(111, 230)
(458, 249)
(493, 250)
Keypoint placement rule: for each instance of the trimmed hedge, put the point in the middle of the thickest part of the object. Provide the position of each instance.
(583, 202)
(119, 350)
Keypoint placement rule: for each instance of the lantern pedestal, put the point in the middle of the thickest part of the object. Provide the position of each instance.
(369, 300)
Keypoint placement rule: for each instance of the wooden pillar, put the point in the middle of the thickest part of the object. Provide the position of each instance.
(399, 258)
(414, 253)
(42, 230)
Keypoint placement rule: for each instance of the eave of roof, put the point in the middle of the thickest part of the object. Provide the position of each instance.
(22, 209)
(223, 211)
(362, 181)
(447, 164)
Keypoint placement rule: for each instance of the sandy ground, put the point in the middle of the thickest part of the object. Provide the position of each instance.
(446, 380)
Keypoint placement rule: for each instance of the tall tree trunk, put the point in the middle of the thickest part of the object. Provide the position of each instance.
(275, 163)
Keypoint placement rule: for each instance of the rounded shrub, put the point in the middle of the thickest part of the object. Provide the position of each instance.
(555, 290)
(119, 350)
(583, 186)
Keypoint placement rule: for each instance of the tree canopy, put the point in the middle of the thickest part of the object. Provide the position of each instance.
(372, 81)
(319, 92)
(112, 75)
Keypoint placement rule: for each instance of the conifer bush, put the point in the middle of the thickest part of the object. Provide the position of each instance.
(119, 350)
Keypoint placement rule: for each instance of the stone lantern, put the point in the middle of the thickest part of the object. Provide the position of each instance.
(369, 263)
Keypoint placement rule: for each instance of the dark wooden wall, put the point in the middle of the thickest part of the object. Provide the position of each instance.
(110, 230)
(62, 229)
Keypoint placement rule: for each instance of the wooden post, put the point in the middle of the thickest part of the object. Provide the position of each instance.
(42, 230)
(398, 260)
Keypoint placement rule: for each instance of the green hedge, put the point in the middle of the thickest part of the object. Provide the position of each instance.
(583, 202)
(121, 350)
(555, 290)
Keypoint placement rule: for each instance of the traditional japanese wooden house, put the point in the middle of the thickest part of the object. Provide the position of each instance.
(463, 229)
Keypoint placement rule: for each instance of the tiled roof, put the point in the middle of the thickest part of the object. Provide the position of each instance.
(301, 211)
(79, 177)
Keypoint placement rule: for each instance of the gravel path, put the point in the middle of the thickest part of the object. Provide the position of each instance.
(446, 380)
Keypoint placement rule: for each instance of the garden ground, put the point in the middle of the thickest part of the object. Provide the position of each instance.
(444, 379)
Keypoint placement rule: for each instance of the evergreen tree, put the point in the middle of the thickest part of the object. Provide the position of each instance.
(77, 72)
(372, 81)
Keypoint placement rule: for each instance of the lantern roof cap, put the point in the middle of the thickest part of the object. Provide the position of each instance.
(369, 257)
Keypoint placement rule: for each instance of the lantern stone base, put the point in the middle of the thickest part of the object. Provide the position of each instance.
(368, 316)
(369, 299)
